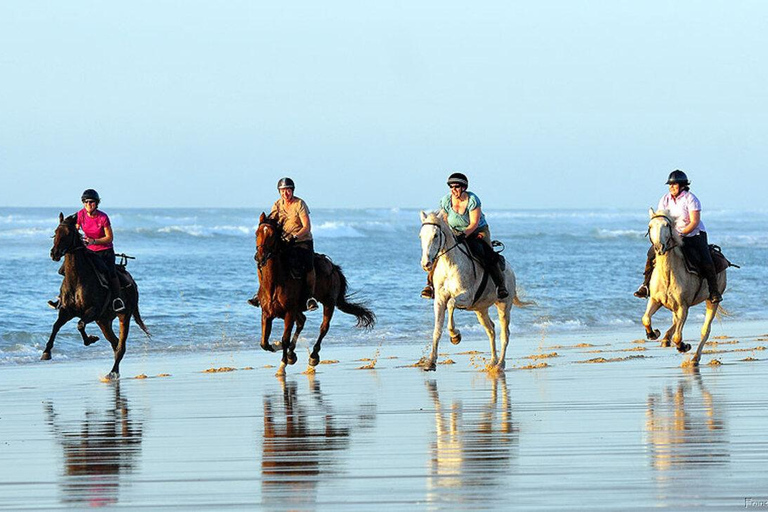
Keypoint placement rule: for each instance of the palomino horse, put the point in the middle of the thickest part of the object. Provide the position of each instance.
(674, 287)
(281, 296)
(456, 281)
(83, 296)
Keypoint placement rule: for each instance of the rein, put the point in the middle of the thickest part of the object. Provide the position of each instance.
(442, 240)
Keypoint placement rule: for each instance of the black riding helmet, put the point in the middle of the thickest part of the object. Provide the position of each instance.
(286, 183)
(458, 179)
(90, 194)
(678, 176)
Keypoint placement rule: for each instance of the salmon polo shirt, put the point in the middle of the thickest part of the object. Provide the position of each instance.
(681, 208)
(93, 227)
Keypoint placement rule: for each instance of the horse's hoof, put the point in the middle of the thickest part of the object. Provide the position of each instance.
(653, 335)
(267, 347)
(91, 340)
(666, 343)
(314, 361)
(110, 377)
(683, 348)
(46, 356)
(292, 358)
(456, 339)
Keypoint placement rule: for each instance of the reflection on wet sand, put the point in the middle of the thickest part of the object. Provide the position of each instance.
(97, 451)
(301, 446)
(473, 448)
(685, 428)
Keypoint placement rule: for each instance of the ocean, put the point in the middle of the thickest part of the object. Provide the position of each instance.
(195, 271)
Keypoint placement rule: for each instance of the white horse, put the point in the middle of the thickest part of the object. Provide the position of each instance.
(456, 280)
(674, 287)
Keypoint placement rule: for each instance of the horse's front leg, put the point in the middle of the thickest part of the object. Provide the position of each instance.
(490, 330)
(266, 330)
(87, 317)
(289, 356)
(440, 306)
(452, 331)
(680, 315)
(64, 317)
(705, 330)
(652, 307)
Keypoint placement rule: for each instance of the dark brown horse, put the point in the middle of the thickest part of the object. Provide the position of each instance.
(83, 296)
(282, 296)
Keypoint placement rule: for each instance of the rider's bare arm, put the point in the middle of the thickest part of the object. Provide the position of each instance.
(305, 223)
(105, 240)
(474, 220)
(695, 218)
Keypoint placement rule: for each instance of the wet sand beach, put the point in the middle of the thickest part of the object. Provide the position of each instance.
(578, 421)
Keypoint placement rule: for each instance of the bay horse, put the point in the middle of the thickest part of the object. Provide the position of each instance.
(282, 296)
(457, 285)
(674, 287)
(83, 296)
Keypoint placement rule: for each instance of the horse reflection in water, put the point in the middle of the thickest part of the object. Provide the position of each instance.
(98, 450)
(473, 448)
(685, 429)
(301, 446)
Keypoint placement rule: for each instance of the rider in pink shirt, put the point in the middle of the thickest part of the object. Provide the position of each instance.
(686, 209)
(98, 236)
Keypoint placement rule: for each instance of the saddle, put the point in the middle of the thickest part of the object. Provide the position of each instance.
(719, 259)
(122, 274)
(322, 265)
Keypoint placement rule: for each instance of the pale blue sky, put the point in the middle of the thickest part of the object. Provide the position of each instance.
(544, 104)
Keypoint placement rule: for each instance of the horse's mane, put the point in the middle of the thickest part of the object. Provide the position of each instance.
(436, 217)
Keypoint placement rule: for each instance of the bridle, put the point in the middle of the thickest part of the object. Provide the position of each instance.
(73, 246)
(668, 224)
(267, 255)
(442, 242)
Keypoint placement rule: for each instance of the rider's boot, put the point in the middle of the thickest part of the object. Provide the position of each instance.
(711, 276)
(429, 291)
(55, 303)
(498, 279)
(645, 289)
(254, 301)
(117, 303)
(311, 302)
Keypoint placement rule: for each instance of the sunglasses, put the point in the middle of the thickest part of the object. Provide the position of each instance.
(454, 185)
(89, 201)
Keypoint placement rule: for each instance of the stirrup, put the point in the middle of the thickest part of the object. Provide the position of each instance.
(716, 298)
(311, 304)
(642, 292)
(118, 305)
(428, 292)
(254, 301)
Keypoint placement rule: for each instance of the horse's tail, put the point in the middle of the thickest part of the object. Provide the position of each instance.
(521, 303)
(140, 322)
(365, 317)
(136, 314)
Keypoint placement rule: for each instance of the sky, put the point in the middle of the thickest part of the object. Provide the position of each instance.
(543, 104)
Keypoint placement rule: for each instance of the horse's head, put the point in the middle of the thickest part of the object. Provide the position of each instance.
(661, 231)
(433, 234)
(66, 238)
(268, 239)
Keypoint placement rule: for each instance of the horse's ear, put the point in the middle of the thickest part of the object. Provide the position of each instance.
(61, 217)
(262, 217)
(651, 213)
(423, 215)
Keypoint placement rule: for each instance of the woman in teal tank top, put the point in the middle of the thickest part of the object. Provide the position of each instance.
(463, 212)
